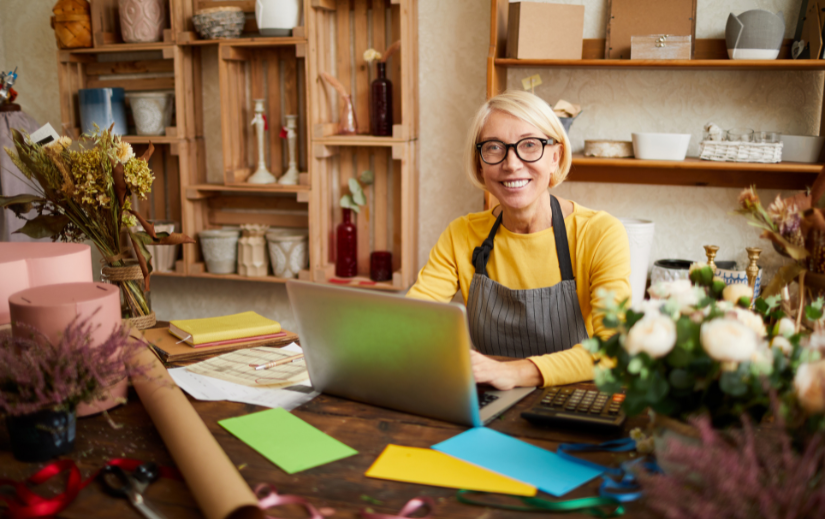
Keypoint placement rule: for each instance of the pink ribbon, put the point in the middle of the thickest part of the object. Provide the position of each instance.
(272, 498)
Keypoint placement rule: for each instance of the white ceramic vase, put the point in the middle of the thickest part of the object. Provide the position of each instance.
(220, 250)
(252, 251)
(152, 111)
(640, 236)
(277, 17)
(288, 251)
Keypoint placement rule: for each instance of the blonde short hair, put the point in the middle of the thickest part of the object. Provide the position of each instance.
(530, 109)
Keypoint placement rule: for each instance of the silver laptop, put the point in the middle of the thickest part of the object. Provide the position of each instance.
(395, 352)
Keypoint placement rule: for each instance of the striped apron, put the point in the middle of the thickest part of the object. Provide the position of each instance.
(521, 323)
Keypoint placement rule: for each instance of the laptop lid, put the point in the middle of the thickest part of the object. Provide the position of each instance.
(387, 350)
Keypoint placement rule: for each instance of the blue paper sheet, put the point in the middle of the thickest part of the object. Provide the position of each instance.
(519, 460)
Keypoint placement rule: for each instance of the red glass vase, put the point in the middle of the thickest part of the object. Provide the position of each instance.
(346, 262)
(381, 103)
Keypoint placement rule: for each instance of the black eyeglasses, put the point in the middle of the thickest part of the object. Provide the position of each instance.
(530, 149)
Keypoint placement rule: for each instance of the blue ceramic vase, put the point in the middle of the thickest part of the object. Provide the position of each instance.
(102, 106)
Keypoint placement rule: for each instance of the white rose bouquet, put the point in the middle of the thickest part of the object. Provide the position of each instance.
(696, 347)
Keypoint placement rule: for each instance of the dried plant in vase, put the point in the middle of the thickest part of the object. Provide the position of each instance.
(347, 124)
(41, 380)
(85, 191)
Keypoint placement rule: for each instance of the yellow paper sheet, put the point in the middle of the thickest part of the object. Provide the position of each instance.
(429, 467)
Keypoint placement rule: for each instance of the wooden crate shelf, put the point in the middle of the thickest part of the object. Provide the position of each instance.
(396, 285)
(386, 222)
(276, 75)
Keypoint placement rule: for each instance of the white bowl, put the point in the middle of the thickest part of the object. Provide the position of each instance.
(660, 146)
(801, 148)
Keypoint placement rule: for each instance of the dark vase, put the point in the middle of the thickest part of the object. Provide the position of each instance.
(41, 436)
(381, 103)
(346, 263)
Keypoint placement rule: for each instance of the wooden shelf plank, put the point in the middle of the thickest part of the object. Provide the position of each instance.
(238, 277)
(250, 188)
(363, 282)
(694, 172)
(358, 140)
(124, 47)
(258, 41)
(154, 139)
(694, 64)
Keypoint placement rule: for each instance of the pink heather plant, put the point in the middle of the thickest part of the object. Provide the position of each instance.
(740, 474)
(36, 374)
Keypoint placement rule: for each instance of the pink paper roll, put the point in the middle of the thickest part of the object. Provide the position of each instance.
(51, 308)
(24, 265)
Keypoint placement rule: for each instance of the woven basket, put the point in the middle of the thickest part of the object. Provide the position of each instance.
(219, 22)
(732, 151)
(72, 24)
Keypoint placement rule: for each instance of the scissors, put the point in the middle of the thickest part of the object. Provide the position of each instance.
(116, 482)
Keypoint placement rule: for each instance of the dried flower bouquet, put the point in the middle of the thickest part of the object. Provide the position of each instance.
(86, 191)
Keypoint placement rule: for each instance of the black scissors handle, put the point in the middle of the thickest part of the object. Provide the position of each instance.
(115, 481)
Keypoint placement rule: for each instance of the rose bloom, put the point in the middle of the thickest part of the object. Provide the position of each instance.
(728, 340)
(668, 289)
(736, 291)
(749, 319)
(653, 334)
(648, 307)
(783, 344)
(809, 383)
(786, 327)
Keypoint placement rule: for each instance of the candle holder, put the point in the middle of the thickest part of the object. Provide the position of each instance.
(262, 174)
(710, 252)
(381, 266)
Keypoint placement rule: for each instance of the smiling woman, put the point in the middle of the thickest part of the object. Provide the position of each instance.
(530, 268)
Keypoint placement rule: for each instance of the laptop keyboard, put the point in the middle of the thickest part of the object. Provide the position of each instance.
(485, 399)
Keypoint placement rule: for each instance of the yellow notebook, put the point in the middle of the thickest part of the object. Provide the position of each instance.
(226, 328)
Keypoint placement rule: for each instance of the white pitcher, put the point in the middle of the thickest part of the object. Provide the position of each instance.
(277, 17)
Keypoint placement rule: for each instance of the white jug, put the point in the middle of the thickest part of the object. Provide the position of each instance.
(277, 17)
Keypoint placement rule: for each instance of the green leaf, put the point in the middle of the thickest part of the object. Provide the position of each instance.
(812, 313)
(761, 306)
(635, 365)
(357, 193)
(367, 177)
(631, 318)
(347, 203)
(20, 204)
(44, 226)
(658, 388)
(681, 379)
(679, 357)
(733, 383)
(592, 345)
(610, 321)
(687, 333)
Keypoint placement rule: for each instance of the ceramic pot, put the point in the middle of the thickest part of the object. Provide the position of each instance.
(754, 34)
(252, 251)
(640, 236)
(288, 251)
(152, 111)
(142, 21)
(102, 106)
(220, 250)
(277, 17)
(42, 435)
(732, 277)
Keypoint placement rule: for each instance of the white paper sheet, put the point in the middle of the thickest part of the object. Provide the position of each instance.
(208, 388)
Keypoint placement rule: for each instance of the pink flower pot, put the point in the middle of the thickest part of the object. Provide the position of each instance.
(142, 21)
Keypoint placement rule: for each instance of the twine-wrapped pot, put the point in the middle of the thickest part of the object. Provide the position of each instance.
(219, 22)
(120, 276)
(72, 24)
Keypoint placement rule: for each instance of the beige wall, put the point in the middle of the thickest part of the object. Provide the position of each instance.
(453, 40)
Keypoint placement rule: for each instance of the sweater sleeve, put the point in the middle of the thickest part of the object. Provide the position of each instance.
(438, 280)
(609, 269)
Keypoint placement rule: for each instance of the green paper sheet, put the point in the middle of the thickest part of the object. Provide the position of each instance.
(286, 440)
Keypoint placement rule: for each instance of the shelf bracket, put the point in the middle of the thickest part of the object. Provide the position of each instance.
(229, 53)
(327, 5)
(319, 151)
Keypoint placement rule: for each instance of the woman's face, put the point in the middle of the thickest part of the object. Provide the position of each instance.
(517, 184)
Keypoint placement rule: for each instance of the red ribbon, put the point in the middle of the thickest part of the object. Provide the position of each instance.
(26, 504)
(271, 498)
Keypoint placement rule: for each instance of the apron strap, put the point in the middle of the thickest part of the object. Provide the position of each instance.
(481, 254)
(562, 247)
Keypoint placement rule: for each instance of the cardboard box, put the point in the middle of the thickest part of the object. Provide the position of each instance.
(545, 31)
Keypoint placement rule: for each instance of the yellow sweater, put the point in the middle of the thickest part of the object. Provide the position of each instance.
(599, 252)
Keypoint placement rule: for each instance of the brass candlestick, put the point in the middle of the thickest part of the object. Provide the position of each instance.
(710, 251)
(753, 269)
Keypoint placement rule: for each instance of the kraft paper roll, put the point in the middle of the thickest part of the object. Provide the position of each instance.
(218, 488)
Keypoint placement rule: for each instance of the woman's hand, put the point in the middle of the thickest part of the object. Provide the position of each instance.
(504, 375)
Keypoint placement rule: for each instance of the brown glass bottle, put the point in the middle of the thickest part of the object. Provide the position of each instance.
(381, 103)
(346, 261)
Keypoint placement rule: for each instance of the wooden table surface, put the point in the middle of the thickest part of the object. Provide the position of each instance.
(340, 485)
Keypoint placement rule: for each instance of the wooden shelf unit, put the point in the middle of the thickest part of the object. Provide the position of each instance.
(284, 72)
(710, 54)
(388, 221)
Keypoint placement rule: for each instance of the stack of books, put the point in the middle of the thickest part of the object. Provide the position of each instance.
(196, 339)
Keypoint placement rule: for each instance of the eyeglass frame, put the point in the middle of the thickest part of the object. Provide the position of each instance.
(545, 142)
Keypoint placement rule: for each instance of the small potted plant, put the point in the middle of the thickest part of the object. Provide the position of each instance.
(42, 382)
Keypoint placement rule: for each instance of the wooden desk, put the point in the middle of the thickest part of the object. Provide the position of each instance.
(340, 485)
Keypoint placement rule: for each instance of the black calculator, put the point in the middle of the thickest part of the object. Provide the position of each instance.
(577, 406)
